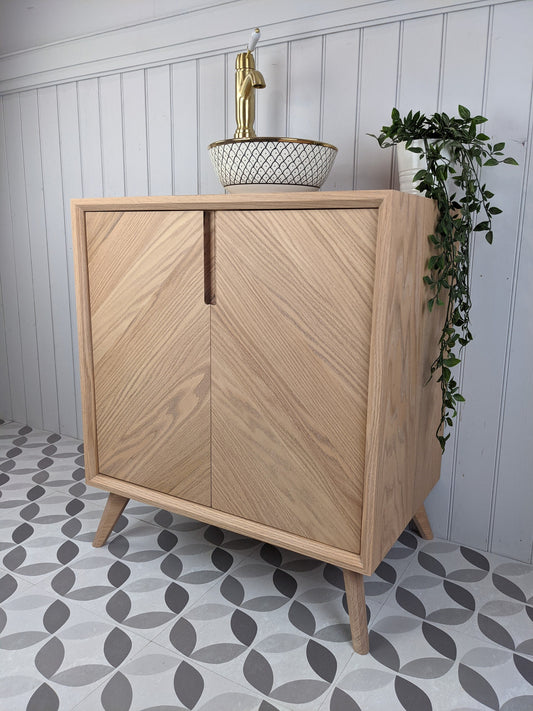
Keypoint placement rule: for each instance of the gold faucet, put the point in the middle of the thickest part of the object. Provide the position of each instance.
(247, 79)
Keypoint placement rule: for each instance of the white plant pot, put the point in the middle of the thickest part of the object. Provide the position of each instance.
(408, 165)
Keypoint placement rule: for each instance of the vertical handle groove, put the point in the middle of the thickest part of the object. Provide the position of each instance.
(209, 257)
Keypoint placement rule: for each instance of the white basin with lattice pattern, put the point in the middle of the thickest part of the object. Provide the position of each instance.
(271, 164)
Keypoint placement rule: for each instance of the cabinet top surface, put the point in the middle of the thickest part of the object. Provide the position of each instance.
(260, 201)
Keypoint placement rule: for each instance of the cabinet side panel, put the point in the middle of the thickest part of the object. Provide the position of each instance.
(403, 455)
(290, 345)
(83, 308)
(150, 341)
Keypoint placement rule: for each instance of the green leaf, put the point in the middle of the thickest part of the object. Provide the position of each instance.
(489, 236)
(459, 398)
(491, 161)
(499, 146)
(495, 211)
(464, 112)
(483, 137)
(450, 362)
(510, 161)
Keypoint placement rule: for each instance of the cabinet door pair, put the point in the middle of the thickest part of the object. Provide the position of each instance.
(255, 403)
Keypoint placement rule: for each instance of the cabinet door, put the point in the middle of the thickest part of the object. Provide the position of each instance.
(150, 344)
(290, 350)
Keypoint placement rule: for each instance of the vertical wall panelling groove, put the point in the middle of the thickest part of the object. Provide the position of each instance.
(322, 84)
(184, 128)
(90, 139)
(123, 131)
(135, 147)
(418, 81)
(211, 117)
(100, 131)
(394, 181)
(380, 57)
(339, 104)
(358, 109)
(442, 62)
(271, 115)
(9, 290)
(197, 143)
(305, 90)
(5, 393)
(40, 271)
(158, 128)
(172, 145)
(229, 96)
(146, 130)
(71, 167)
(111, 120)
(288, 90)
(57, 252)
(22, 258)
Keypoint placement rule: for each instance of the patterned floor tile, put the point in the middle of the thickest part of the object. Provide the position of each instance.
(145, 575)
(212, 534)
(417, 666)
(480, 594)
(54, 654)
(277, 624)
(43, 534)
(157, 680)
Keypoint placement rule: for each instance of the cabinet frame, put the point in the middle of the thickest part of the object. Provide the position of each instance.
(402, 455)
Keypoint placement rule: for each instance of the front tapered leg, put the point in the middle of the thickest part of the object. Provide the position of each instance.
(113, 508)
(421, 521)
(355, 595)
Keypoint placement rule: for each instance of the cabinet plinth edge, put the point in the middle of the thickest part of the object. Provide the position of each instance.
(206, 514)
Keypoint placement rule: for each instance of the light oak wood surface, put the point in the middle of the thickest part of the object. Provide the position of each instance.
(355, 597)
(114, 507)
(402, 453)
(150, 349)
(290, 347)
(421, 521)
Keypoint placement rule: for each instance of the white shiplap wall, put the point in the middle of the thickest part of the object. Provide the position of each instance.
(131, 113)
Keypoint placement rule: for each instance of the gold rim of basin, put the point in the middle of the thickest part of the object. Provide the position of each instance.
(272, 139)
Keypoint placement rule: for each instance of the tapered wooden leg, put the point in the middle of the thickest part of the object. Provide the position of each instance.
(113, 508)
(355, 595)
(421, 521)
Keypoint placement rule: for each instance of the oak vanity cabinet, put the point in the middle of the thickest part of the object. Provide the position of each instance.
(260, 363)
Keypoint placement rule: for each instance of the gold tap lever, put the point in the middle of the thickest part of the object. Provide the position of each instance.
(247, 79)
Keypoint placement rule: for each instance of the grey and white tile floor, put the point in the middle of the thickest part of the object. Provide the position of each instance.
(175, 615)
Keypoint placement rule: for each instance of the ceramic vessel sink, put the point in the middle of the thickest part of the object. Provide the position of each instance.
(271, 164)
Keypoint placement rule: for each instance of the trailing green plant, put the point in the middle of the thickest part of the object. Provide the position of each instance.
(455, 152)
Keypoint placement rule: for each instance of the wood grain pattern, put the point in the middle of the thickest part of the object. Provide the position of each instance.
(259, 201)
(290, 348)
(355, 597)
(150, 349)
(421, 521)
(115, 505)
(403, 456)
(262, 532)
